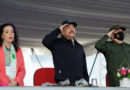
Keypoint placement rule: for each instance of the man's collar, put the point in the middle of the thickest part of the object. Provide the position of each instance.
(65, 39)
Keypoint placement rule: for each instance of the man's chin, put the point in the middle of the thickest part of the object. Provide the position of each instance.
(72, 37)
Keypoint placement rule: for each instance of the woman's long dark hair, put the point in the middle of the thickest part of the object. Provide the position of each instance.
(15, 42)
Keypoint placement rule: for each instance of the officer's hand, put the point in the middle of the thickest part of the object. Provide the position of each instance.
(111, 33)
(62, 27)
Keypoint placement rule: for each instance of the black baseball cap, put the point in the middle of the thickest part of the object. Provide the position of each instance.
(69, 22)
(115, 27)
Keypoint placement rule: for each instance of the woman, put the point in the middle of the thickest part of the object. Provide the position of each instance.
(12, 69)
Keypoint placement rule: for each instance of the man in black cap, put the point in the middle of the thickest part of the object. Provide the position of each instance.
(115, 51)
(68, 55)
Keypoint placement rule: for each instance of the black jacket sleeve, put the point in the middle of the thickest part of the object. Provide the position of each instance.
(50, 38)
(85, 71)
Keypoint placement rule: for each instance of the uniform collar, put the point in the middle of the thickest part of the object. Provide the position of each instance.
(117, 43)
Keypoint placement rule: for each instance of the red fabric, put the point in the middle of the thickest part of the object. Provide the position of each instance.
(107, 84)
(44, 75)
(20, 68)
(3, 84)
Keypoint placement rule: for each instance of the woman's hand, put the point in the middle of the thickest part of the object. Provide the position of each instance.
(13, 83)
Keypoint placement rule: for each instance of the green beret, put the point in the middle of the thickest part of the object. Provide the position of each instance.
(115, 27)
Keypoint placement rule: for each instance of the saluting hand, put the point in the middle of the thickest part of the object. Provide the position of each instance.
(111, 33)
(62, 27)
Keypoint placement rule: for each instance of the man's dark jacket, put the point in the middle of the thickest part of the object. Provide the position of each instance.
(69, 60)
